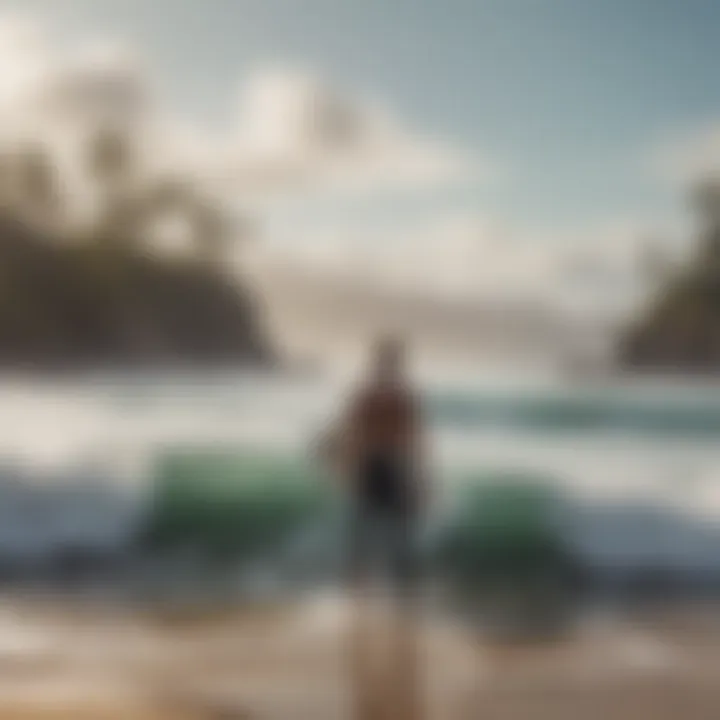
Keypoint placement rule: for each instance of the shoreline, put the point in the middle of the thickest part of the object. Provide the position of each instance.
(63, 661)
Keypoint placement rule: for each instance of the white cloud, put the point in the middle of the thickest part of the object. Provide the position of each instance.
(102, 82)
(473, 259)
(49, 94)
(295, 130)
(58, 96)
(27, 62)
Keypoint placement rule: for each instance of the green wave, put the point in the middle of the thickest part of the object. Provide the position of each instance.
(245, 504)
(230, 501)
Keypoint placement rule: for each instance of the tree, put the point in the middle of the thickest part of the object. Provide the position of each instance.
(210, 225)
(112, 165)
(706, 199)
(210, 231)
(678, 329)
(33, 185)
(110, 157)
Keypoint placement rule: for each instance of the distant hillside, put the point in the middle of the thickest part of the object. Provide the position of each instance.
(96, 286)
(90, 304)
(680, 330)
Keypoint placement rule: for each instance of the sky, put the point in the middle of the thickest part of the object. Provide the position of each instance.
(537, 120)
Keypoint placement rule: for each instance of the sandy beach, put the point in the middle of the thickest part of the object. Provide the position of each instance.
(295, 663)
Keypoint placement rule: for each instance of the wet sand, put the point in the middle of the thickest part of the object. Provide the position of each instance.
(301, 662)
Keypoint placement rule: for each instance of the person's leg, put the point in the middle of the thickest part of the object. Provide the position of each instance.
(363, 689)
(405, 643)
(358, 548)
(405, 561)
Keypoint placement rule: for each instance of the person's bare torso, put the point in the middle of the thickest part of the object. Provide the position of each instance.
(383, 420)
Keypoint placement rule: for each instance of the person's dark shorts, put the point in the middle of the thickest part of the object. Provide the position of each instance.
(384, 524)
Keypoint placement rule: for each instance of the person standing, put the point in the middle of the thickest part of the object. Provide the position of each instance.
(379, 448)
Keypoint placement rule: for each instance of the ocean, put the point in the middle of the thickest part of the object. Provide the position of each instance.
(624, 472)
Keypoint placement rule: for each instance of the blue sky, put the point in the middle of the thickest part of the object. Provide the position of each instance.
(566, 98)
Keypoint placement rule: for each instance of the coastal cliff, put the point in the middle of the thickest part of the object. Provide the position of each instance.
(83, 305)
(104, 288)
(679, 331)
